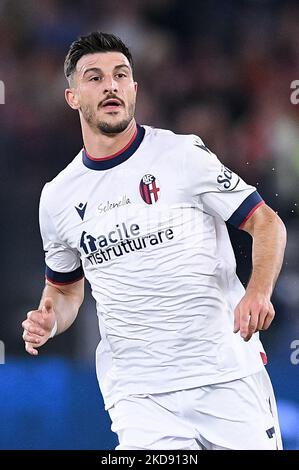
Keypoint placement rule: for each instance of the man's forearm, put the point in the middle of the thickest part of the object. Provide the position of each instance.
(269, 240)
(66, 305)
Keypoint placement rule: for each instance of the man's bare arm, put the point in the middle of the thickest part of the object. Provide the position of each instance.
(255, 311)
(67, 300)
(58, 303)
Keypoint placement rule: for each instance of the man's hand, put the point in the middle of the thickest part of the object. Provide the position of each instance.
(38, 326)
(254, 312)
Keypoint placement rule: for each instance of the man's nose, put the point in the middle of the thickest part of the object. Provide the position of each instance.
(110, 85)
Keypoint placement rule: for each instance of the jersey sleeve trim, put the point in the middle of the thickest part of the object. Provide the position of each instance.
(245, 210)
(64, 278)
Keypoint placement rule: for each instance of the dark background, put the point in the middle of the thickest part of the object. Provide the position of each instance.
(221, 70)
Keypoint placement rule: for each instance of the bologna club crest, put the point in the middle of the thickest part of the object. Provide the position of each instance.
(148, 189)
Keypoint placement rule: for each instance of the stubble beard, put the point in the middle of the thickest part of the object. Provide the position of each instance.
(105, 127)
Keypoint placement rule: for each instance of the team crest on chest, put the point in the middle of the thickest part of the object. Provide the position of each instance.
(148, 188)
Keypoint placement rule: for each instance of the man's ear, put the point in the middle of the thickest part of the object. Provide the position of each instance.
(136, 86)
(71, 98)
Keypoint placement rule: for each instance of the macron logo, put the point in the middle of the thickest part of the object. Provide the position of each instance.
(81, 209)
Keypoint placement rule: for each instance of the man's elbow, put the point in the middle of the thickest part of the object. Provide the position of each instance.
(265, 219)
(280, 223)
(277, 223)
(282, 228)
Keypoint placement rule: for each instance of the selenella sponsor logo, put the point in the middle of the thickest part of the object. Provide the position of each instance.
(108, 206)
(227, 180)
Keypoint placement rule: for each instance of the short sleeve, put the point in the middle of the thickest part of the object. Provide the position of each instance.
(63, 265)
(220, 191)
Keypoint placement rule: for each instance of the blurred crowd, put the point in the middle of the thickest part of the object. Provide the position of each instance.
(219, 69)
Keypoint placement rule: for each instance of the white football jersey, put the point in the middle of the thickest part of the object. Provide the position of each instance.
(146, 227)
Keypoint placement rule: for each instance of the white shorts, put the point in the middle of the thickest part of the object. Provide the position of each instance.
(236, 415)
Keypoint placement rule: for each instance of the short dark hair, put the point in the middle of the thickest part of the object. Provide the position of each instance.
(94, 42)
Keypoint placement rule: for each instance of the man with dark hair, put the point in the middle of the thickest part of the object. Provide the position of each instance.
(140, 212)
(88, 46)
(95, 42)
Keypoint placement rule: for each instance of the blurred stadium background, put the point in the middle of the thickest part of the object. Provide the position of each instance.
(218, 69)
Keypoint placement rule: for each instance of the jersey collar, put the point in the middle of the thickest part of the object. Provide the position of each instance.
(118, 157)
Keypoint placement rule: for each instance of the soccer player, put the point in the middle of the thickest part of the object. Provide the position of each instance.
(140, 213)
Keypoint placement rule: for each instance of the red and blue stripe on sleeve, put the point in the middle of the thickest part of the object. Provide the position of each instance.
(245, 210)
(64, 278)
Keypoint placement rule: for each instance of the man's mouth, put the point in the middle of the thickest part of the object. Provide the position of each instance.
(111, 104)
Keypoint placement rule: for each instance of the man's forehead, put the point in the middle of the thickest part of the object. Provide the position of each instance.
(101, 60)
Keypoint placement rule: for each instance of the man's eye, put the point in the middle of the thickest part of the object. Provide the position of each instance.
(94, 79)
(121, 75)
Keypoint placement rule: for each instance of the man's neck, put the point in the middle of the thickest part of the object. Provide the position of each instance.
(102, 145)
